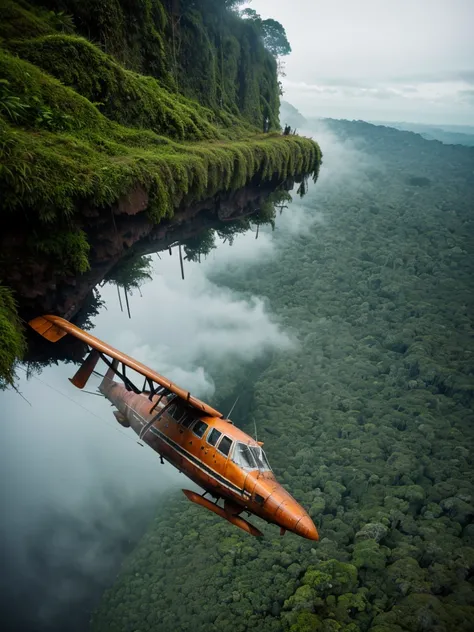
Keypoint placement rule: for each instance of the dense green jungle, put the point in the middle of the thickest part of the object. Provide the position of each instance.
(448, 134)
(367, 420)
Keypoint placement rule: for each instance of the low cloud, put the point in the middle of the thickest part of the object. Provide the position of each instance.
(186, 329)
(80, 488)
(444, 76)
(345, 162)
(466, 95)
(431, 99)
(72, 477)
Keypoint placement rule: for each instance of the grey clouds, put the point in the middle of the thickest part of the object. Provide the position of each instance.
(379, 59)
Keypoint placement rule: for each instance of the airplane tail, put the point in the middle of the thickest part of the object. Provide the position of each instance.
(85, 370)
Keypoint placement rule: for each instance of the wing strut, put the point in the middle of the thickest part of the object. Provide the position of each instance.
(162, 392)
(157, 416)
(53, 328)
(129, 385)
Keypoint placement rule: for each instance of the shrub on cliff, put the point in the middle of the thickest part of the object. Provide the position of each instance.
(12, 341)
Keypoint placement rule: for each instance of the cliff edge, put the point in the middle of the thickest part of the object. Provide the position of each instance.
(119, 107)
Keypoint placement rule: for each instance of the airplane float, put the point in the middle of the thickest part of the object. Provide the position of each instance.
(194, 437)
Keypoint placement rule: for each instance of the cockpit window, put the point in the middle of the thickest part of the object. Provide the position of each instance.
(259, 456)
(249, 456)
(243, 456)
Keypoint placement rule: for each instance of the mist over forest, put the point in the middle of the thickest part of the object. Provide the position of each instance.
(78, 505)
(381, 341)
(366, 419)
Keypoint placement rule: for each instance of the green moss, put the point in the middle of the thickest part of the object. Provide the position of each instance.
(200, 48)
(121, 95)
(35, 88)
(18, 21)
(52, 173)
(132, 32)
(12, 341)
(63, 147)
(67, 248)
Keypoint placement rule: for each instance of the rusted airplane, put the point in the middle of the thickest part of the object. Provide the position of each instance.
(194, 437)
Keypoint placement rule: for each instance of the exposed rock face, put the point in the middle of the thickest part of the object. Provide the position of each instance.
(135, 202)
(41, 287)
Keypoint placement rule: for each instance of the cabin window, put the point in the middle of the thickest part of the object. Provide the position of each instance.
(188, 421)
(178, 411)
(199, 429)
(214, 436)
(224, 446)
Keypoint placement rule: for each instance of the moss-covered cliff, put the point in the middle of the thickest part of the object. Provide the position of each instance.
(198, 47)
(100, 100)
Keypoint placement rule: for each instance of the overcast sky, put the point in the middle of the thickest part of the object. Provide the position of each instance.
(410, 60)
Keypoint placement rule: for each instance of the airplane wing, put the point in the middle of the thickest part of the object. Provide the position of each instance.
(54, 328)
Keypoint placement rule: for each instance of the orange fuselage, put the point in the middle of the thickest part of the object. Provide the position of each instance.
(185, 437)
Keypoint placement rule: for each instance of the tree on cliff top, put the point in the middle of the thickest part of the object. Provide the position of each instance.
(233, 4)
(273, 33)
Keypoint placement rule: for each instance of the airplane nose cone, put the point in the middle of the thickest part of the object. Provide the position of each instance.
(306, 528)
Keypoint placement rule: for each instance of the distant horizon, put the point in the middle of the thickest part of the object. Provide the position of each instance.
(443, 125)
(384, 121)
(348, 111)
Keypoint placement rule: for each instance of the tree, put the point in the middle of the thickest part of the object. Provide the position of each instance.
(233, 4)
(131, 272)
(253, 16)
(274, 38)
(272, 33)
